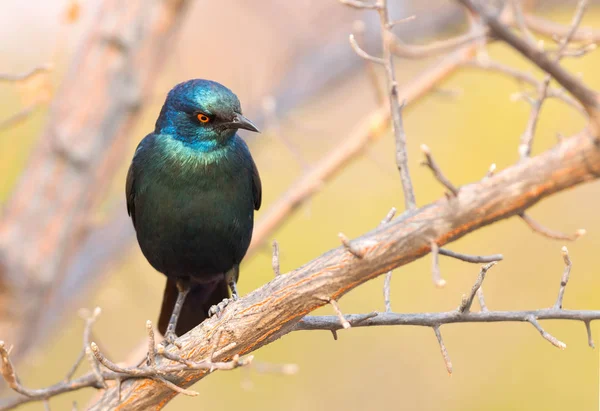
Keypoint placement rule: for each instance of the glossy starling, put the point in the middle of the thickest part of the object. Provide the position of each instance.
(192, 189)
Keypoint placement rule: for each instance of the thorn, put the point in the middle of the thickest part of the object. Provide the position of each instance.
(350, 247)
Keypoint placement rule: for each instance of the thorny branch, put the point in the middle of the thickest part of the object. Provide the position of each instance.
(238, 331)
(387, 61)
(586, 96)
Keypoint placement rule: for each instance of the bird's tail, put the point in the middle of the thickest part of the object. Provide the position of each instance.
(195, 307)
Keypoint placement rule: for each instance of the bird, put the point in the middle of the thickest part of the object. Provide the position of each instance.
(192, 189)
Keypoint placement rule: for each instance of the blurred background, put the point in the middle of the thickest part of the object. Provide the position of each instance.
(292, 68)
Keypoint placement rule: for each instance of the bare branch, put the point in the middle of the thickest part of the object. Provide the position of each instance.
(355, 251)
(588, 329)
(491, 170)
(565, 278)
(527, 137)
(275, 259)
(527, 78)
(430, 162)
(387, 292)
(588, 97)
(409, 51)
(358, 4)
(363, 53)
(24, 76)
(481, 299)
(438, 335)
(395, 107)
(151, 344)
(546, 232)
(553, 340)
(550, 29)
(344, 323)
(18, 117)
(465, 305)
(477, 259)
(520, 21)
(436, 276)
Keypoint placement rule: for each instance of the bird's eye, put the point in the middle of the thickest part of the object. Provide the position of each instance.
(203, 118)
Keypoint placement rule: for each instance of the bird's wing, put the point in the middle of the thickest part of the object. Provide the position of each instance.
(256, 187)
(133, 173)
(130, 192)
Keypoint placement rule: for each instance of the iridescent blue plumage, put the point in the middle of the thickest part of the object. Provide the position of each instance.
(192, 189)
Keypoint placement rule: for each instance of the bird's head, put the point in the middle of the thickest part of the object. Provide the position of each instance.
(202, 113)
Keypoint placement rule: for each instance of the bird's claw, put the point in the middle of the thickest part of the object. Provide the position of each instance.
(217, 309)
(170, 338)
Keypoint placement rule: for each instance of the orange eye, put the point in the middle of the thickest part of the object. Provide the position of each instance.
(203, 118)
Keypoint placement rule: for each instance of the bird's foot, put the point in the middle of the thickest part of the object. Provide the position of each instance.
(217, 309)
(170, 338)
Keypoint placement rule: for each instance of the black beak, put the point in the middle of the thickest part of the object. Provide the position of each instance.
(240, 121)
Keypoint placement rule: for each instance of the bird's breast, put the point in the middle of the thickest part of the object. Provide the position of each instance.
(194, 214)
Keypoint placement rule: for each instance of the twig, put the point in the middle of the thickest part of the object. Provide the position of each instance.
(358, 4)
(430, 162)
(491, 171)
(355, 251)
(528, 78)
(520, 21)
(565, 278)
(546, 232)
(527, 137)
(587, 96)
(90, 320)
(18, 117)
(24, 76)
(332, 322)
(358, 27)
(176, 388)
(551, 29)
(395, 107)
(387, 292)
(588, 329)
(553, 340)
(345, 324)
(438, 335)
(477, 259)
(467, 301)
(387, 282)
(275, 259)
(528, 134)
(363, 53)
(151, 344)
(435, 266)
(481, 299)
(409, 51)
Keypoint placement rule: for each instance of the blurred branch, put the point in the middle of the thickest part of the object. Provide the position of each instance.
(366, 132)
(586, 96)
(7, 77)
(551, 29)
(69, 171)
(277, 308)
(17, 117)
(387, 61)
(528, 78)
(546, 232)
(542, 90)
